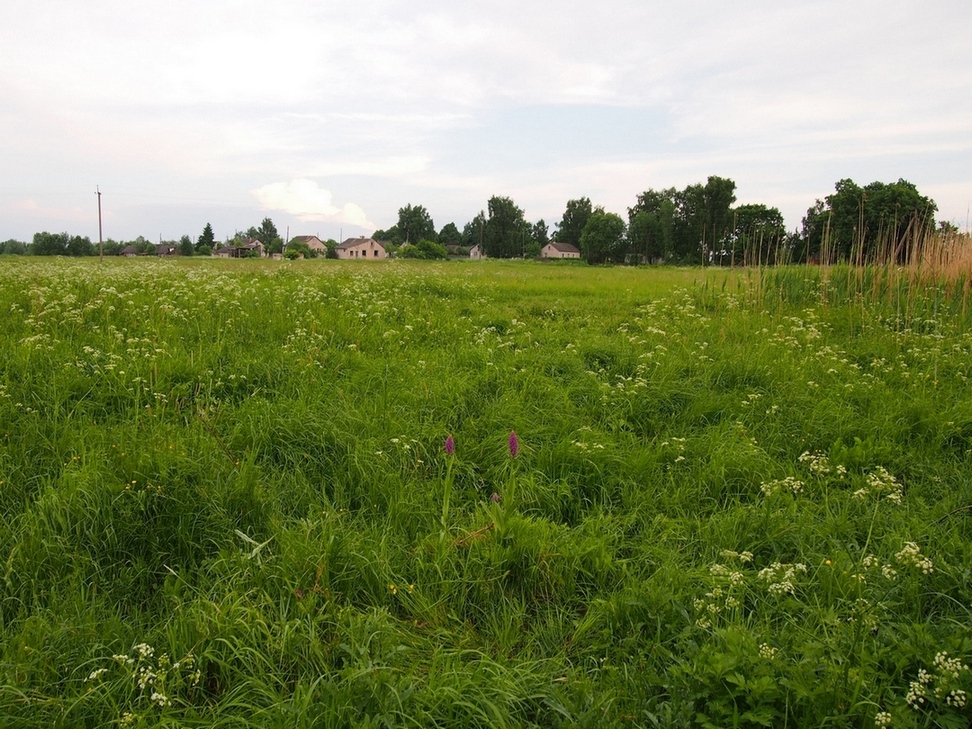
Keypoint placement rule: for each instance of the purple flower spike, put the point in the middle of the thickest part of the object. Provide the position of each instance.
(450, 446)
(514, 444)
(495, 497)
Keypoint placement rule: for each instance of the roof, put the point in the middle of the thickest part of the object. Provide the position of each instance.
(564, 247)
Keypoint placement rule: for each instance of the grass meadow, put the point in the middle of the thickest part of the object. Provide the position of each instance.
(736, 498)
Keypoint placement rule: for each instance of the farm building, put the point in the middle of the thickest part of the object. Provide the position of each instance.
(312, 241)
(559, 250)
(361, 248)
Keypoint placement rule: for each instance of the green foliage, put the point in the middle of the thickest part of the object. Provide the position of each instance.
(206, 241)
(186, 247)
(425, 250)
(603, 237)
(60, 244)
(880, 221)
(571, 225)
(297, 249)
(414, 224)
(12, 247)
(449, 235)
(504, 231)
(740, 498)
(757, 237)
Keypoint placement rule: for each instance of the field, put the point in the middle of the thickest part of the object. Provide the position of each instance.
(733, 498)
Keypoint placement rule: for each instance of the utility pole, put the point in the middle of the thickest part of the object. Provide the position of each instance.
(101, 245)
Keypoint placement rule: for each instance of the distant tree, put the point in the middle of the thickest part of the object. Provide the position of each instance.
(757, 237)
(603, 237)
(206, 241)
(332, 248)
(426, 250)
(718, 197)
(505, 230)
(473, 231)
(266, 232)
(879, 220)
(415, 224)
(450, 235)
(298, 248)
(49, 244)
(946, 227)
(112, 247)
(573, 221)
(651, 225)
(539, 233)
(268, 236)
(185, 246)
(13, 247)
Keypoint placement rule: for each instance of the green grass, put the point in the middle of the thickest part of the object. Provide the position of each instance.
(222, 494)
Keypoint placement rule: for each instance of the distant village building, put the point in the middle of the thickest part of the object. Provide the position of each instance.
(476, 252)
(129, 251)
(361, 248)
(166, 251)
(313, 242)
(247, 248)
(560, 250)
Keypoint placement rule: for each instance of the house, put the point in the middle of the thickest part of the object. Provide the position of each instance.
(476, 252)
(129, 252)
(312, 241)
(247, 248)
(361, 248)
(559, 250)
(166, 251)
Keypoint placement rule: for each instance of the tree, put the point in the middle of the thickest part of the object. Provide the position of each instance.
(756, 237)
(49, 244)
(505, 230)
(718, 197)
(298, 248)
(268, 236)
(393, 235)
(539, 233)
(474, 230)
(603, 237)
(13, 247)
(206, 241)
(575, 218)
(877, 221)
(185, 246)
(651, 225)
(450, 235)
(426, 250)
(415, 224)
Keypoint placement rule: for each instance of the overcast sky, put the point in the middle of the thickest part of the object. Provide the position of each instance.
(329, 115)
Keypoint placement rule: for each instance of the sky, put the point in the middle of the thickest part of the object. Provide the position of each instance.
(327, 116)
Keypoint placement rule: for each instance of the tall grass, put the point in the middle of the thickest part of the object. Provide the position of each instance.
(736, 501)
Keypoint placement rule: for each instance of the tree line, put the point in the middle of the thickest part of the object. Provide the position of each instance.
(700, 224)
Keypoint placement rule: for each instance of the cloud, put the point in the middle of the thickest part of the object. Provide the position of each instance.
(307, 201)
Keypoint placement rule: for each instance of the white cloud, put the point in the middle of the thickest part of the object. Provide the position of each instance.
(307, 201)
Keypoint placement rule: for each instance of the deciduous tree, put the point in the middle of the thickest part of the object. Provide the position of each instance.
(573, 221)
(603, 237)
(879, 220)
(415, 224)
(505, 230)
